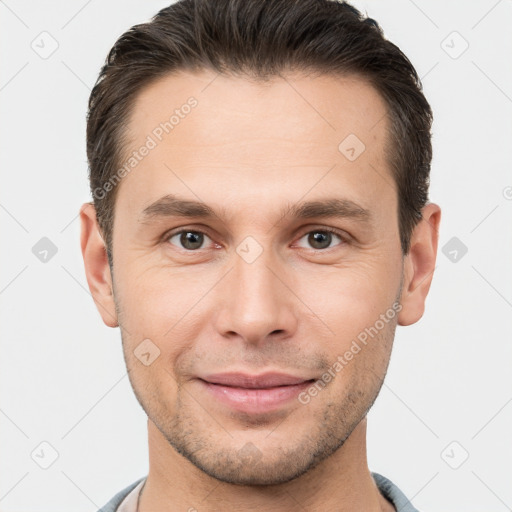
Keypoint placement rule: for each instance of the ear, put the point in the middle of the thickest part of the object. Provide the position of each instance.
(419, 265)
(96, 265)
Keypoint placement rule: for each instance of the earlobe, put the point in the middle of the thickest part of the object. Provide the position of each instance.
(96, 265)
(419, 265)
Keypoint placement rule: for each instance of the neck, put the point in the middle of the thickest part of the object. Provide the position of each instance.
(341, 483)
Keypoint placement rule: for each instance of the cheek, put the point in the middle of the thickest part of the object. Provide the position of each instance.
(165, 307)
(349, 300)
(156, 299)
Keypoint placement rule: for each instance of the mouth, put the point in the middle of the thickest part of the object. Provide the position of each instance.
(254, 394)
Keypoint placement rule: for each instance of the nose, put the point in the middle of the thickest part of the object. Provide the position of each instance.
(257, 303)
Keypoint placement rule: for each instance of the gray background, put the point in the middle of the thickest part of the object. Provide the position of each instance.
(448, 392)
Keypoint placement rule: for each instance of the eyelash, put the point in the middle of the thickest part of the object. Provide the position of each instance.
(344, 239)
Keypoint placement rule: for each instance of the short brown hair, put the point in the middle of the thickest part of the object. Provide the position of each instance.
(261, 39)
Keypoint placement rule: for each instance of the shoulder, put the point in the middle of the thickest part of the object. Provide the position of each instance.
(112, 505)
(390, 491)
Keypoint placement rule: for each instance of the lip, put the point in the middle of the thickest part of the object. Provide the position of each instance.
(254, 394)
(244, 380)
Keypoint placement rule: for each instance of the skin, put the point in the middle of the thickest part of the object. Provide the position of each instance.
(251, 151)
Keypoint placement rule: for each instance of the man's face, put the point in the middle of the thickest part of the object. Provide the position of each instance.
(257, 286)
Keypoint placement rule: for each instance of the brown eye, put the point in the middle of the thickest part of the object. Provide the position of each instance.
(320, 239)
(189, 240)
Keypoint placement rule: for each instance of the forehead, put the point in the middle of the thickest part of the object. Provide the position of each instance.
(308, 108)
(204, 129)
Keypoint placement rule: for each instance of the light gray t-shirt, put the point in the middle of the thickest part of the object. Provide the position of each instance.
(126, 500)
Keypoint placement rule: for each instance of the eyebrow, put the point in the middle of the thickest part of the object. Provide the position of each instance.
(341, 208)
(172, 206)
